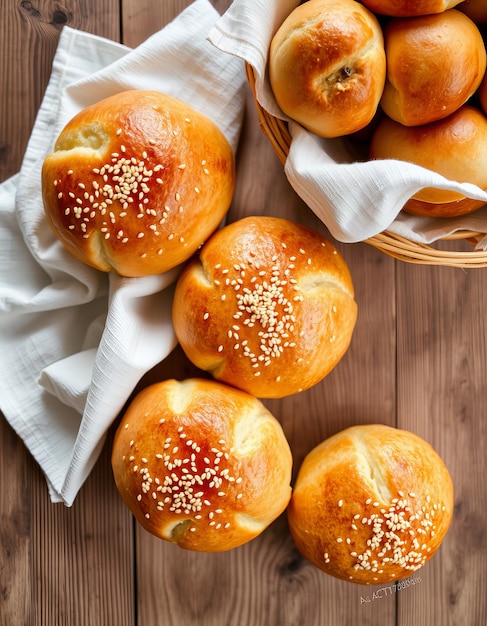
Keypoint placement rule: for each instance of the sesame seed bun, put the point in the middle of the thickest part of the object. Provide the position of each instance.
(136, 182)
(267, 306)
(201, 464)
(371, 504)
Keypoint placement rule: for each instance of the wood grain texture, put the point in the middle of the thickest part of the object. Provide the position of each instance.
(442, 391)
(30, 32)
(267, 582)
(83, 556)
(16, 584)
(417, 360)
(57, 565)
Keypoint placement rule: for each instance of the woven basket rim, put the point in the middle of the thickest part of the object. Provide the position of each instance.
(276, 131)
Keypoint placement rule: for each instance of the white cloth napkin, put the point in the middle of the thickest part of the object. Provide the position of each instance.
(355, 200)
(74, 342)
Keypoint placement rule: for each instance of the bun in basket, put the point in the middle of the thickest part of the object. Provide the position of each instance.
(268, 307)
(136, 183)
(435, 63)
(371, 504)
(201, 464)
(327, 66)
(410, 8)
(455, 147)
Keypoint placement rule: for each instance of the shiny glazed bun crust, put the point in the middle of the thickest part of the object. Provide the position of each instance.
(371, 504)
(455, 147)
(136, 182)
(267, 306)
(327, 66)
(201, 464)
(435, 63)
(409, 8)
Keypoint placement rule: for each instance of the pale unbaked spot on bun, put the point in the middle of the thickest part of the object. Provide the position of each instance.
(327, 66)
(455, 147)
(371, 504)
(266, 306)
(201, 464)
(136, 183)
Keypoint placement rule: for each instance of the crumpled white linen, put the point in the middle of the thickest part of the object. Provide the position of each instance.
(355, 200)
(74, 342)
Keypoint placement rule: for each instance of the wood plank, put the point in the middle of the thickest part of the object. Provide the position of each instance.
(16, 585)
(29, 36)
(58, 565)
(267, 582)
(83, 556)
(442, 391)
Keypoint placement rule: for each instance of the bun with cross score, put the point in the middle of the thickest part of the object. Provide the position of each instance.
(137, 182)
(267, 306)
(371, 504)
(201, 464)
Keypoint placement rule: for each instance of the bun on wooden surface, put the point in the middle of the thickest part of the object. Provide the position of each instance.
(371, 504)
(267, 306)
(136, 183)
(455, 147)
(435, 63)
(327, 66)
(201, 464)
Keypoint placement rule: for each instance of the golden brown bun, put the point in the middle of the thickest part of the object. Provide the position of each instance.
(475, 9)
(268, 306)
(435, 63)
(409, 8)
(137, 182)
(201, 464)
(327, 66)
(455, 147)
(371, 504)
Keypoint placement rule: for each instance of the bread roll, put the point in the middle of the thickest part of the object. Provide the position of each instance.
(371, 504)
(455, 147)
(268, 307)
(327, 66)
(201, 464)
(137, 182)
(475, 9)
(435, 63)
(410, 8)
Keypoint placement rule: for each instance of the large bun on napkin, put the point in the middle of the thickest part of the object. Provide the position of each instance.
(435, 63)
(136, 183)
(201, 464)
(455, 147)
(267, 306)
(327, 66)
(409, 8)
(371, 504)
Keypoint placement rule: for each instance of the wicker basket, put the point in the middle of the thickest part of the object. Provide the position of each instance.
(277, 133)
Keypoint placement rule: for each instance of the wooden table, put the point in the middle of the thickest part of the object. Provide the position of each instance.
(417, 361)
